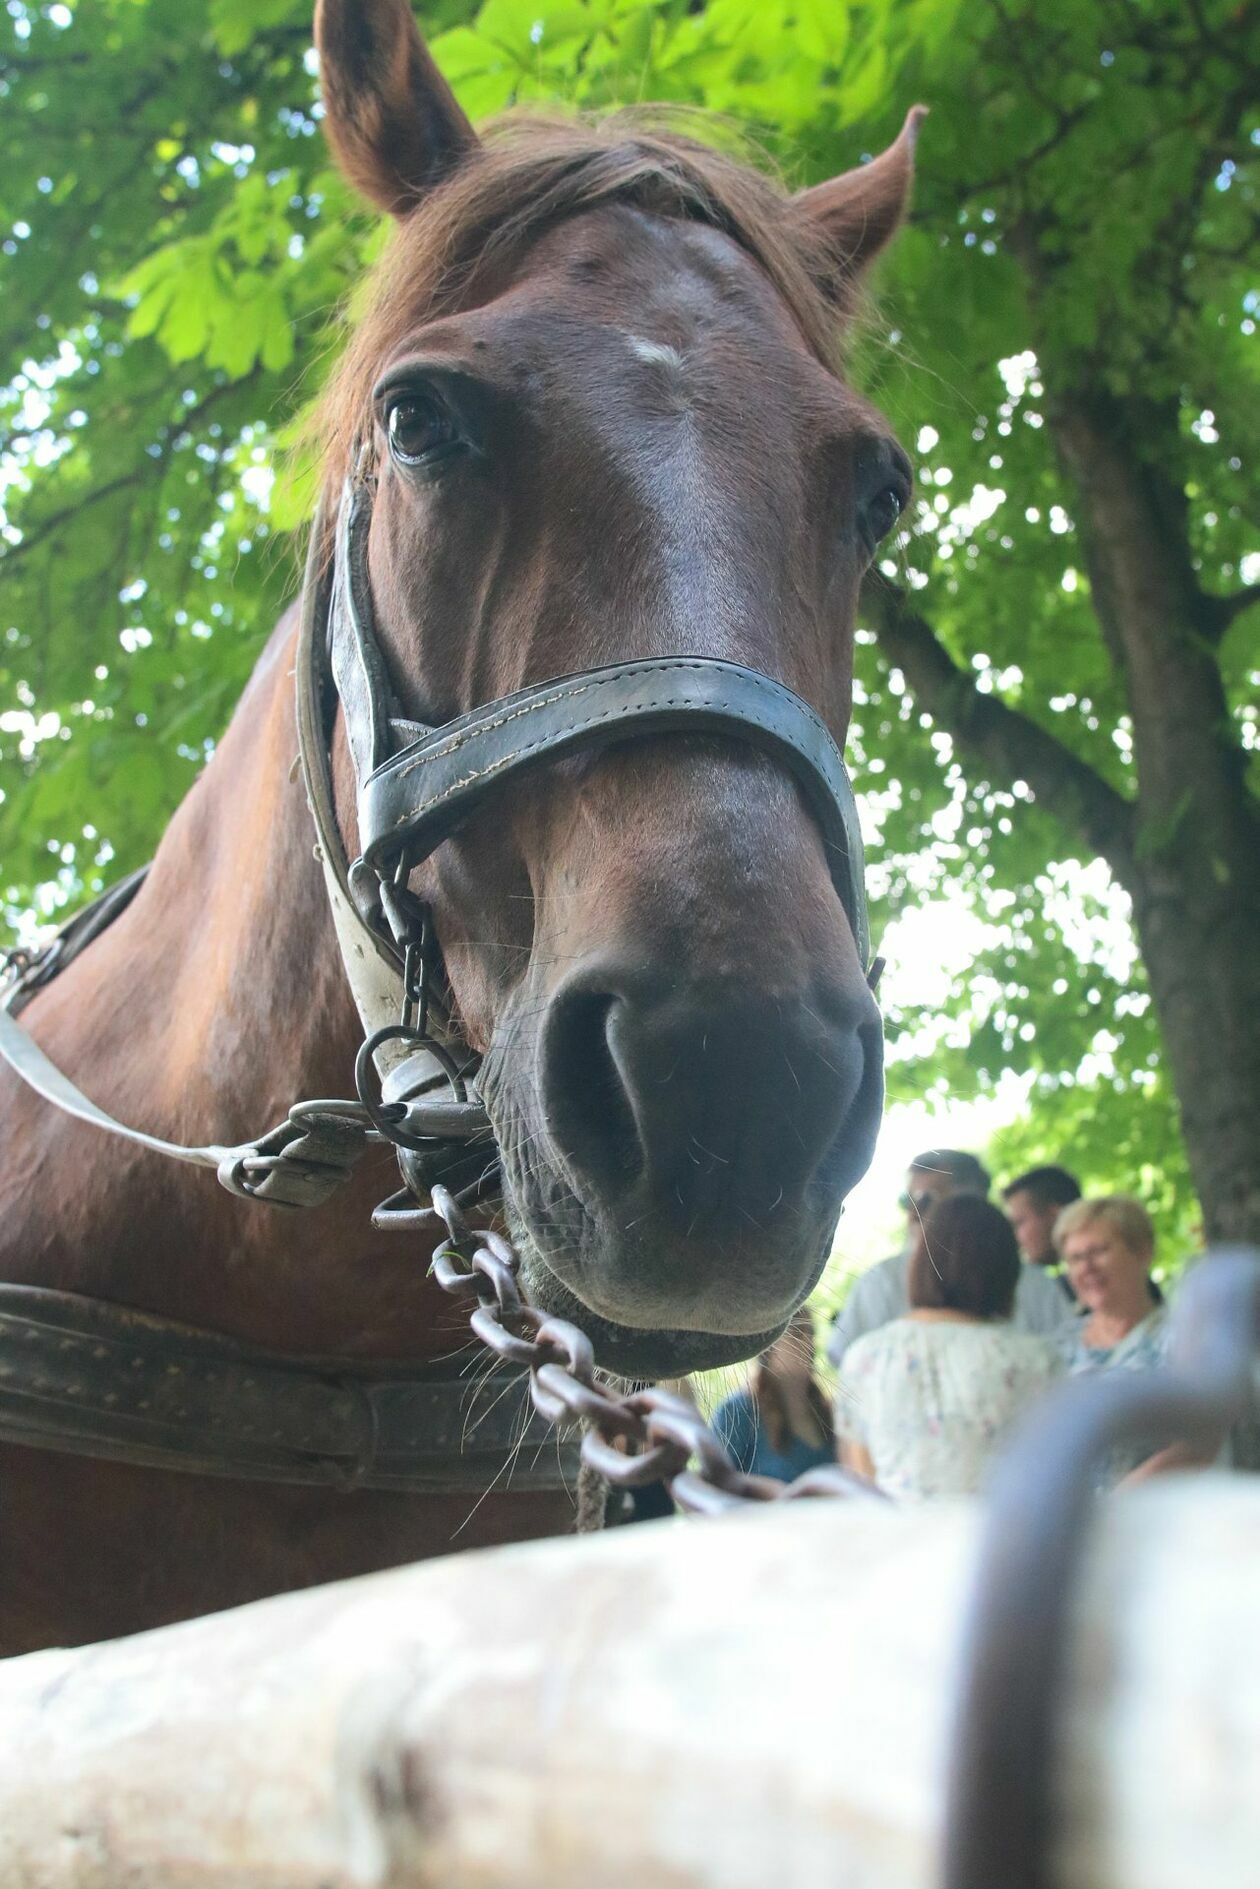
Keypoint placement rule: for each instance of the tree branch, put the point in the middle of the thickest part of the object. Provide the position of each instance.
(143, 469)
(52, 523)
(44, 62)
(1219, 612)
(1011, 745)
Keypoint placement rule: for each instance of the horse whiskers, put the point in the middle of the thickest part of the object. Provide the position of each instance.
(927, 1245)
(802, 1353)
(474, 1416)
(504, 1471)
(504, 1467)
(468, 1347)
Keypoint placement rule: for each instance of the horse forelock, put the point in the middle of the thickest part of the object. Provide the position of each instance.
(531, 173)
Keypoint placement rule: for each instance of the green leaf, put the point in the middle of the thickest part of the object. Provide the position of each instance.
(201, 305)
(154, 302)
(822, 29)
(866, 90)
(235, 22)
(277, 341)
(462, 53)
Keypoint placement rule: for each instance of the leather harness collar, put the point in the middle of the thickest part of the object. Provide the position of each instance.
(89, 1378)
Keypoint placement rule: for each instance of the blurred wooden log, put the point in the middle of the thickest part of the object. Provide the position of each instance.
(759, 1701)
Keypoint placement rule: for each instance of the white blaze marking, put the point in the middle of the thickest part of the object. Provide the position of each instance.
(655, 351)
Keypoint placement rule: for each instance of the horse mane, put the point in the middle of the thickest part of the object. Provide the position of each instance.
(531, 172)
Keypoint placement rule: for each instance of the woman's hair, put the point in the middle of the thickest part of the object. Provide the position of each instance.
(965, 1259)
(1119, 1213)
(766, 1390)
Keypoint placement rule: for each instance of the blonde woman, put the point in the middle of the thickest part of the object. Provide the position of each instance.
(1107, 1246)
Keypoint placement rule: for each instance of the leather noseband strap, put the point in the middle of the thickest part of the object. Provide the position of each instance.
(412, 802)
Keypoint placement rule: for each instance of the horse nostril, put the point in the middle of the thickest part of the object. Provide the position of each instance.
(705, 1101)
(585, 1103)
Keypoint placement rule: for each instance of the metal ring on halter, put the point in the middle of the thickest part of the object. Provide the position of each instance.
(388, 1117)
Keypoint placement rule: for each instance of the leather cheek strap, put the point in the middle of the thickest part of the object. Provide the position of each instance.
(415, 800)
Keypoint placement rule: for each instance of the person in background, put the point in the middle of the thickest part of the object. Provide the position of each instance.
(780, 1426)
(924, 1401)
(1033, 1203)
(880, 1294)
(1107, 1246)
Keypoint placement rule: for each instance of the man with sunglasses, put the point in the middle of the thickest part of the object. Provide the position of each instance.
(880, 1294)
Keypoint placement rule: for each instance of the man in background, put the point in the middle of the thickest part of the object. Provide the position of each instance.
(880, 1294)
(1034, 1202)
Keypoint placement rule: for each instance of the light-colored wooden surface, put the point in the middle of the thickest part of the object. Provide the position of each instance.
(754, 1703)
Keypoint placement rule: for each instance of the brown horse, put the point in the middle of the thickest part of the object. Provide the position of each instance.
(596, 383)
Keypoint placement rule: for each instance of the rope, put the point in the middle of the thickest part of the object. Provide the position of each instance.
(592, 1499)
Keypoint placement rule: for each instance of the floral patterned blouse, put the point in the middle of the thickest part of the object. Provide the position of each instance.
(932, 1399)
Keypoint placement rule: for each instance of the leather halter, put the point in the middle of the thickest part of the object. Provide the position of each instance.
(416, 799)
(417, 784)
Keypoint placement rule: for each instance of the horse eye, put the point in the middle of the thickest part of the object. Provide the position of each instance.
(419, 427)
(882, 513)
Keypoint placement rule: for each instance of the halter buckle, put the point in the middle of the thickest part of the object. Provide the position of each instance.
(444, 1137)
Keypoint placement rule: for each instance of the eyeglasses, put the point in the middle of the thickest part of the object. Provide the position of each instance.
(1086, 1255)
(920, 1202)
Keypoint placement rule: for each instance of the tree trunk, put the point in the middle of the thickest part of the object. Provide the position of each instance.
(1187, 849)
(1194, 869)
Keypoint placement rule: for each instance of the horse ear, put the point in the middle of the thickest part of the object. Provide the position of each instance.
(852, 217)
(391, 118)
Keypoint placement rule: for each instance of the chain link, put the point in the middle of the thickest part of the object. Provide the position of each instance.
(631, 1438)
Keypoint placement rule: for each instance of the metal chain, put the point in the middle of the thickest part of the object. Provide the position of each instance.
(667, 1434)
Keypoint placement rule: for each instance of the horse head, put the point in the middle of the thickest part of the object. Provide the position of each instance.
(595, 380)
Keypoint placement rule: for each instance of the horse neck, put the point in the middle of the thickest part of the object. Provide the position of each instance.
(213, 1003)
(248, 1009)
